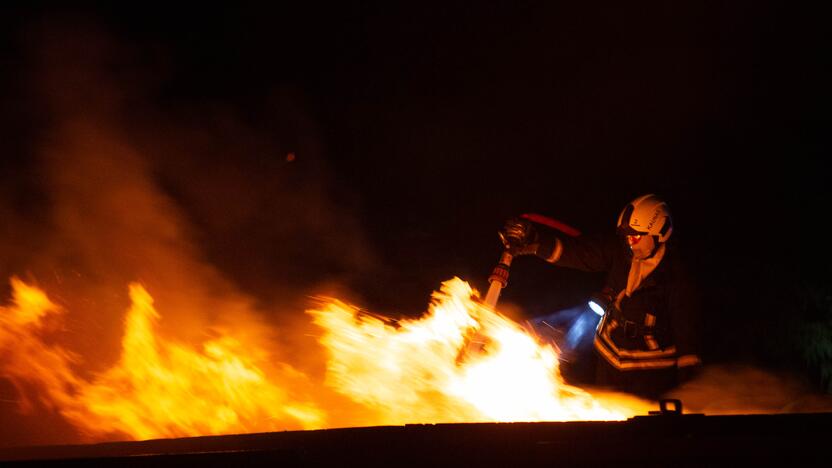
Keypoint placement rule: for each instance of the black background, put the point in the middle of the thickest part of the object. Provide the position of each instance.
(435, 122)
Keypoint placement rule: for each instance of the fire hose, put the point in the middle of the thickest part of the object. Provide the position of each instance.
(499, 276)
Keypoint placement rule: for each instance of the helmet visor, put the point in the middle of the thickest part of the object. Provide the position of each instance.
(627, 230)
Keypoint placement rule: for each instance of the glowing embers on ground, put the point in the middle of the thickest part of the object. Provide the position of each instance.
(158, 388)
(427, 371)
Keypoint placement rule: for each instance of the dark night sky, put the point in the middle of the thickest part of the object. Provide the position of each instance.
(435, 123)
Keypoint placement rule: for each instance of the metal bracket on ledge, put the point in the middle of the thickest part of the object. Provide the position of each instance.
(668, 407)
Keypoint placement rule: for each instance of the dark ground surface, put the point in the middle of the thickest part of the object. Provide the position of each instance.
(665, 440)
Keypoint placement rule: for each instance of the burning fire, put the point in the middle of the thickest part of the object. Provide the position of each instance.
(460, 362)
(158, 388)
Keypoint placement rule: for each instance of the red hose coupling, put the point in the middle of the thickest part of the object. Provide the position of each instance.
(500, 274)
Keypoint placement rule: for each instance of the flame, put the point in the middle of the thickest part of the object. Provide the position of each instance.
(460, 362)
(158, 388)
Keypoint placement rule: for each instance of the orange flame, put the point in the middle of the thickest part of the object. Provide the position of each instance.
(158, 388)
(461, 362)
(423, 371)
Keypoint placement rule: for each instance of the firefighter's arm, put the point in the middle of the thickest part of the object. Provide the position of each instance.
(522, 237)
(585, 253)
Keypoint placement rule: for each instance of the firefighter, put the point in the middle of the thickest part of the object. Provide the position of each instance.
(647, 337)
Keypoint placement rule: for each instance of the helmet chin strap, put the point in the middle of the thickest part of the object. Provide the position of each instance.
(656, 245)
(640, 268)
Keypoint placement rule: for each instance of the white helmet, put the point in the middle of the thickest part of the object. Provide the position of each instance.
(646, 215)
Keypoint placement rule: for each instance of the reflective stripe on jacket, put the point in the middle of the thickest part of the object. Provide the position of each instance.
(653, 326)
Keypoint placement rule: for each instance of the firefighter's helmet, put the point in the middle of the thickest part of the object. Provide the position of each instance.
(646, 215)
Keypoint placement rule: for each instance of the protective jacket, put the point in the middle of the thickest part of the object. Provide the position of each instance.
(655, 326)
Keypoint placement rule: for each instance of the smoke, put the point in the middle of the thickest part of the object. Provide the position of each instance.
(744, 389)
(229, 224)
(224, 209)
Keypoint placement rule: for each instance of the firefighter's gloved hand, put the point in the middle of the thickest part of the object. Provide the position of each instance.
(519, 237)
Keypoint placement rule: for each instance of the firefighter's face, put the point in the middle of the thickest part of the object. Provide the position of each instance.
(640, 246)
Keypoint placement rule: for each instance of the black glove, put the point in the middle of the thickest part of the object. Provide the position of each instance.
(519, 236)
